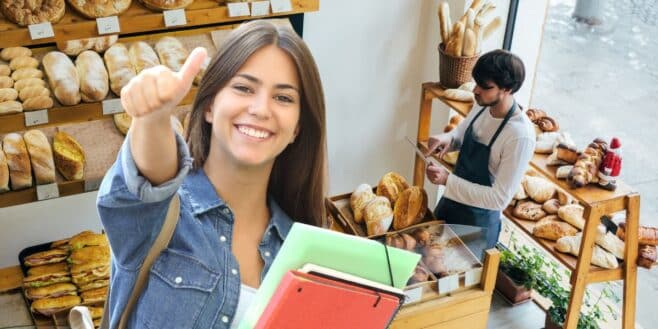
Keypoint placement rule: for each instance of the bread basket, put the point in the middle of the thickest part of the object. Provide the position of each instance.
(454, 70)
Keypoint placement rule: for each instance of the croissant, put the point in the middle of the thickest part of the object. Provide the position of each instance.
(547, 124)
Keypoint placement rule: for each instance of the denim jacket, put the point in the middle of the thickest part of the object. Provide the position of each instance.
(195, 282)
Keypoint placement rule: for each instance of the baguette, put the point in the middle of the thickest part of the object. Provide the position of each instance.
(6, 82)
(30, 82)
(458, 95)
(476, 5)
(8, 94)
(470, 18)
(458, 39)
(5, 71)
(10, 107)
(119, 69)
(489, 29)
(23, 62)
(94, 84)
(444, 21)
(33, 91)
(10, 53)
(63, 77)
(18, 160)
(25, 73)
(142, 56)
(41, 156)
(4, 172)
(37, 103)
(470, 43)
(485, 16)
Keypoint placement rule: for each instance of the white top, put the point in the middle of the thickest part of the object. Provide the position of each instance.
(247, 295)
(508, 161)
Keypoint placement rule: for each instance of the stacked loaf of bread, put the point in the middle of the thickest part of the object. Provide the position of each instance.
(464, 37)
(21, 84)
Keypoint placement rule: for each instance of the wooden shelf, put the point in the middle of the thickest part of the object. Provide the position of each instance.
(135, 20)
(436, 91)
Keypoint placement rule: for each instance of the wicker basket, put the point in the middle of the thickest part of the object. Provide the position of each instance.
(454, 71)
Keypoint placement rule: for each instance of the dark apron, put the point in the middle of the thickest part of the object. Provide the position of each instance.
(473, 166)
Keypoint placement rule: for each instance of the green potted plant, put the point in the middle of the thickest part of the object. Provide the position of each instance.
(514, 280)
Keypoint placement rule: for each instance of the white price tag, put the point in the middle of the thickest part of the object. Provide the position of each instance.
(108, 25)
(47, 191)
(112, 106)
(236, 9)
(281, 6)
(92, 184)
(413, 295)
(260, 8)
(41, 30)
(174, 17)
(472, 277)
(34, 118)
(448, 284)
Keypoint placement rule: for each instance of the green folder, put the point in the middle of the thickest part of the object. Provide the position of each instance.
(346, 253)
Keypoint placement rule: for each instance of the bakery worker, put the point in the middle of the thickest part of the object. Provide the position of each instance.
(495, 143)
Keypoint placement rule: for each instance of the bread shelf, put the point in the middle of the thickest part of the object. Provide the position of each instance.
(135, 20)
(597, 202)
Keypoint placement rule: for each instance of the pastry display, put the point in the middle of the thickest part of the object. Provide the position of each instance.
(69, 156)
(99, 8)
(26, 12)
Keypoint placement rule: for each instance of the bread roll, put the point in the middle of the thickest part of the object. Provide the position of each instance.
(41, 156)
(23, 62)
(171, 53)
(18, 160)
(37, 103)
(359, 199)
(539, 189)
(410, 207)
(378, 216)
(551, 228)
(94, 84)
(572, 214)
(122, 121)
(4, 172)
(600, 257)
(5, 71)
(10, 53)
(458, 95)
(33, 91)
(470, 43)
(528, 210)
(63, 77)
(69, 156)
(6, 82)
(551, 206)
(391, 185)
(10, 107)
(520, 193)
(142, 56)
(30, 82)
(25, 73)
(119, 68)
(8, 94)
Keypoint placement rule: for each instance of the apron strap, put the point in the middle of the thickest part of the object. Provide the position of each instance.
(502, 125)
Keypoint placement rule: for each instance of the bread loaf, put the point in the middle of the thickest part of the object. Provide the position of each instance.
(18, 160)
(25, 73)
(444, 21)
(10, 107)
(600, 257)
(41, 156)
(27, 12)
(458, 95)
(142, 56)
(161, 5)
(119, 68)
(646, 235)
(94, 84)
(10, 53)
(551, 206)
(33, 91)
(97, 44)
(5, 71)
(171, 53)
(6, 82)
(8, 94)
(410, 207)
(23, 62)
(470, 43)
(63, 77)
(30, 82)
(610, 242)
(122, 121)
(378, 216)
(69, 156)
(646, 256)
(551, 228)
(572, 214)
(359, 199)
(391, 185)
(37, 103)
(529, 210)
(459, 39)
(99, 8)
(539, 189)
(566, 153)
(4, 172)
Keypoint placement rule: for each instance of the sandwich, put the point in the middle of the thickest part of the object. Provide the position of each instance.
(96, 312)
(90, 254)
(94, 295)
(87, 239)
(46, 275)
(60, 244)
(93, 285)
(88, 272)
(50, 306)
(46, 257)
(51, 291)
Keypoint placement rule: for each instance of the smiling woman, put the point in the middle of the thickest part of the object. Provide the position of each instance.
(252, 163)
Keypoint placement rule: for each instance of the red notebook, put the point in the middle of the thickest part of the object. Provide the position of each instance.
(304, 300)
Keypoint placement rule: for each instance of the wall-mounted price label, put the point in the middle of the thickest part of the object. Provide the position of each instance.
(92, 184)
(47, 191)
(112, 106)
(34, 118)
(260, 8)
(41, 31)
(413, 295)
(174, 17)
(108, 25)
(237, 9)
(472, 277)
(281, 6)
(448, 284)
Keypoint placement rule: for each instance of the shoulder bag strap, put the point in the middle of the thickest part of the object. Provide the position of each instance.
(160, 244)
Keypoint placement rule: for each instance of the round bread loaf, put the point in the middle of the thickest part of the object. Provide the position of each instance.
(391, 185)
(409, 208)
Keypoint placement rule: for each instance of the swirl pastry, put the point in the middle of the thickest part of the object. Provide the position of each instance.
(547, 124)
(535, 114)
